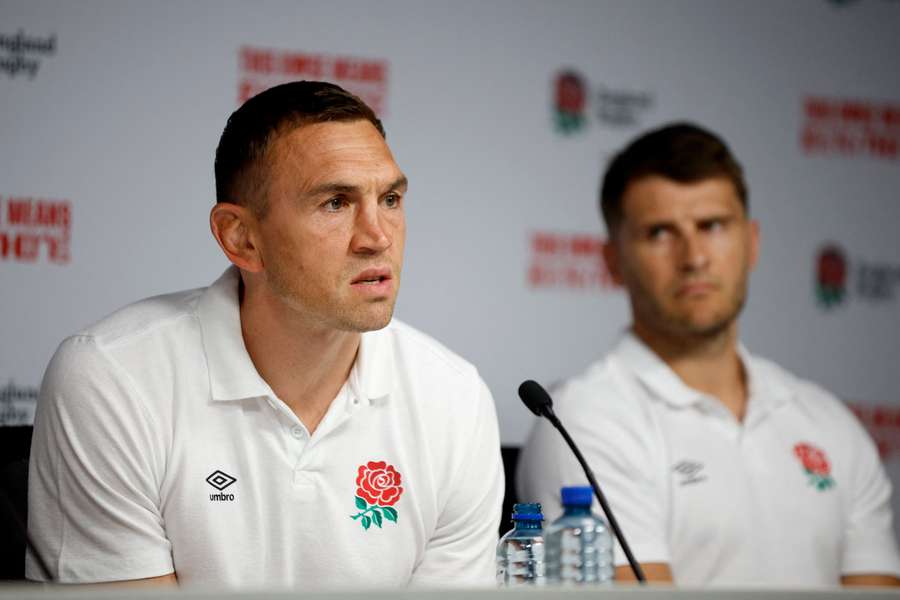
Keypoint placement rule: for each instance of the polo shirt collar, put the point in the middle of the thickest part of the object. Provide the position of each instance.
(765, 391)
(372, 377)
(232, 374)
(653, 372)
(767, 388)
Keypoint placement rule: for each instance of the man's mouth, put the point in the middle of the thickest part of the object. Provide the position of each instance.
(372, 277)
(695, 288)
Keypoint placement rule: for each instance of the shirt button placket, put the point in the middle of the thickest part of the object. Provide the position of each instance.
(301, 477)
(298, 433)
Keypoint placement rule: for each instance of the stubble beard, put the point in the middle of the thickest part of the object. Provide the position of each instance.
(362, 319)
(338, 315)
(684, 328)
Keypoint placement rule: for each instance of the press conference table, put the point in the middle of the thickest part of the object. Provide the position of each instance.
(33, 592)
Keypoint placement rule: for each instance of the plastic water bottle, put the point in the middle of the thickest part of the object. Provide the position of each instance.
(579, 543)
(520, 553)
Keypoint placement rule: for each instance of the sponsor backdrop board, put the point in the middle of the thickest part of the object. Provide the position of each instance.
(503, 115)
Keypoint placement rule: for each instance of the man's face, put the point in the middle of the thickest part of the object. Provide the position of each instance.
(331, 240)
(684, 252)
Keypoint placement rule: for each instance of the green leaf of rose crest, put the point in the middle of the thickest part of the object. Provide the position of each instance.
(390, 513)
(376, 516)
(366, 522)
(360, 503)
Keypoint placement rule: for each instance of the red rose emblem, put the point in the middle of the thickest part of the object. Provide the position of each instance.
(570, 95)
(832, 269)
(813, 459)
(378, 483)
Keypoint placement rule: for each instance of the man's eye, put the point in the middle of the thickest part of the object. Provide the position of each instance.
(657, 233)
(335, 204)
(392, 200)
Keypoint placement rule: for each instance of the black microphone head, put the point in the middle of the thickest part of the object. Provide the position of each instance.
(535, 398)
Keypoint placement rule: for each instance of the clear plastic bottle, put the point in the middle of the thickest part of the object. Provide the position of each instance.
(520, 552)
(579, 543)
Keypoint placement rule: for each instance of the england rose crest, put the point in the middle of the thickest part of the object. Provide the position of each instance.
(377, 490)
(816, 465)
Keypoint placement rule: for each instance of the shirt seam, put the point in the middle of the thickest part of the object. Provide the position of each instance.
(57, 477)
(130, 383)
(102, 342)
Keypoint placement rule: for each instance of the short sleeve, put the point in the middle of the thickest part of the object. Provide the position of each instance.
(616, 441)
(461, 552)
(870, 545)
(94, 475)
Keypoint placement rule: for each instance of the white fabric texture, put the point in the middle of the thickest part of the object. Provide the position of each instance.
(723, 502)
(138, 411)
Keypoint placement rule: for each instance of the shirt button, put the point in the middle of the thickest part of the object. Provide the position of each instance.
(297, 432)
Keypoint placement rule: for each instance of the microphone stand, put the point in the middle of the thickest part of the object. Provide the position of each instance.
(635, 566)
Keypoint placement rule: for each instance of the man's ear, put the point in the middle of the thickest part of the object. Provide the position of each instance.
(234, 227)
(611, 258)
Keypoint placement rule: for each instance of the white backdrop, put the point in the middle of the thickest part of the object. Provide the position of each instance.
(112, 111)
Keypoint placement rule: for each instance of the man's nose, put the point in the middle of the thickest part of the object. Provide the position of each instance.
(694, 253)
(371, 233)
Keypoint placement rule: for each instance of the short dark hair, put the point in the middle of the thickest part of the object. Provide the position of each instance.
(683, 152)
(251, 129)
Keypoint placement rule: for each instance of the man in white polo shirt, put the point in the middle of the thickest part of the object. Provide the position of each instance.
(275, 428)
(721, 467)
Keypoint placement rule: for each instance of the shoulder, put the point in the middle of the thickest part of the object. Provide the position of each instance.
(599, 376)
(96, 353)
(816, 404)
(437, 385)
(807, 392)
(142, 318)
(604, 388)
(413, 347)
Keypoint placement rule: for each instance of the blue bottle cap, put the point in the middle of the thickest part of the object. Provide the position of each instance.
(577, 495)
(527, 512)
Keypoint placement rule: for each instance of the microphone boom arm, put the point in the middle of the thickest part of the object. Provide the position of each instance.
(635, 566)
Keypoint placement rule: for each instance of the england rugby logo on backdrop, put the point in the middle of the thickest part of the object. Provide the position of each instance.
(569, 102)
(837, 278)
(831, 276)
(573, 99)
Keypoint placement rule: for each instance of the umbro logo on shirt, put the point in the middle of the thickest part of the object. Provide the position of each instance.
(220, 480)
(690, 472)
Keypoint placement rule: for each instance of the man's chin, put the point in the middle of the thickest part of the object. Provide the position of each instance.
(707, 328)
(362, 323)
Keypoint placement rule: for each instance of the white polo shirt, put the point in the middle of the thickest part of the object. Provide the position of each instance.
(722, 502)
(158, 448)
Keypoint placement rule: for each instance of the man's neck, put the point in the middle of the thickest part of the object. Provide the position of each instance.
(304, 364)
(709, 364)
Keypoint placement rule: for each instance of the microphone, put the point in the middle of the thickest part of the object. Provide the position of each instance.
(539, 402)
(536, 398)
